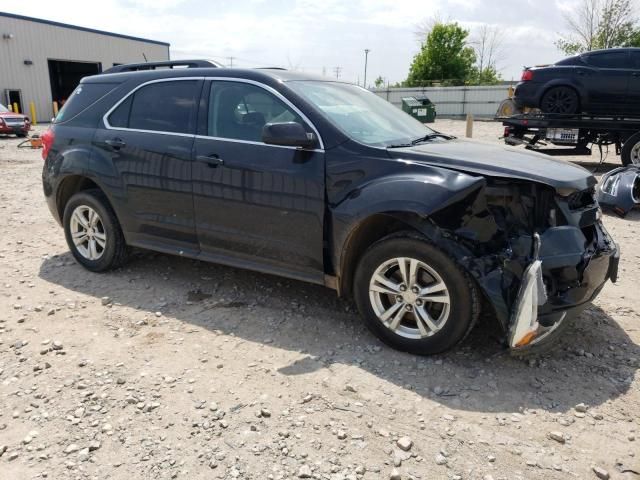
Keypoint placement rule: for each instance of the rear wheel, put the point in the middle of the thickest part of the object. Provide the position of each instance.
(92, 231)
(413, 296)
(562, 100)
(630, 154)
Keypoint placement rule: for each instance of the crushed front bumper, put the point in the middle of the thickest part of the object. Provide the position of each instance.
(569, 269)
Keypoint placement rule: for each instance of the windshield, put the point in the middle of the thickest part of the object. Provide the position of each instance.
(3, 109)
(360, 114)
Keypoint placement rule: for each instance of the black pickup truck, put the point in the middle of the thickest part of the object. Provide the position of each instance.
(323, 181)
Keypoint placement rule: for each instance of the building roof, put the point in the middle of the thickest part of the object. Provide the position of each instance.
(82, 29)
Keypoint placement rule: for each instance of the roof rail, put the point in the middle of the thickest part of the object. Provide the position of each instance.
(134, 67)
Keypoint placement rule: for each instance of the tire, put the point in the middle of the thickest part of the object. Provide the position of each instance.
(561, 100)
(403, 331)
(109, 248)
(21, 135)
(630, 154)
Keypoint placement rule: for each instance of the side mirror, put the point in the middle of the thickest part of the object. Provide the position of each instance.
(288, 134)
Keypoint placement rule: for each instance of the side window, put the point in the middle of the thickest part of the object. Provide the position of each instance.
(635, 60)
(609, 60)
(239, 111)
(162, 107)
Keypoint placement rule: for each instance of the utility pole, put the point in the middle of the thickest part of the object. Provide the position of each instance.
(231, 61)
(337, 71)
(366, 57)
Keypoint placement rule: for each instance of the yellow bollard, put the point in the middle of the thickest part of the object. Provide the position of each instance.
(469, 132)
(34, 119)
(15, 107)
(55, 109)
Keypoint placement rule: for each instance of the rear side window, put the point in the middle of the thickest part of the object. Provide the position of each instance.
(608, 60)
(160, 107)
(85, 95)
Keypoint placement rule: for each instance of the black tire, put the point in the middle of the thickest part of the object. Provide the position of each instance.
(21, 135)
(464, 306)
(114, 253)
(561, 100)
(630, 154)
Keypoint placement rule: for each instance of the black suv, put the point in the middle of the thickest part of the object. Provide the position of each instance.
(605, 82)
(323, 181)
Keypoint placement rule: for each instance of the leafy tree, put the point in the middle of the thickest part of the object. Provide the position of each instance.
(379, 82)
(444, 56)
(486, 76)
(600, 24)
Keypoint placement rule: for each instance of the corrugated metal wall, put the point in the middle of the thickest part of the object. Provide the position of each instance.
(40, 42)
(453, 101)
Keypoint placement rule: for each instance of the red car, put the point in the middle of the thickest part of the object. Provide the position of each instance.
(13, 123)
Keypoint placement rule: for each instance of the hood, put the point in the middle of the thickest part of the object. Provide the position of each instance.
(498, 161)
(11, 114)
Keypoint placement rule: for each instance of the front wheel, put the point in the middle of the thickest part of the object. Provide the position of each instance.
(92, 231)
(413, 296)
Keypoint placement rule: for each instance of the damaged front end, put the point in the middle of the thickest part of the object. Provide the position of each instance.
(539, 255)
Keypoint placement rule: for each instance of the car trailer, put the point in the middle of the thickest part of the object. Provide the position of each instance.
(574, 134)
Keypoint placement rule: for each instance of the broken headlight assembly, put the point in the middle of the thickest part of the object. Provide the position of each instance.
(619, 190)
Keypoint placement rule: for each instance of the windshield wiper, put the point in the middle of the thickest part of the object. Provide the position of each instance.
(431, 136)
(426, 138)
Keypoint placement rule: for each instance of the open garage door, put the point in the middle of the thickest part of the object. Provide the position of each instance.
(66, 75)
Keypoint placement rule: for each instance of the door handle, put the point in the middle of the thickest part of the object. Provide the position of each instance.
(635, 74)
(116, 143)
(211, 160)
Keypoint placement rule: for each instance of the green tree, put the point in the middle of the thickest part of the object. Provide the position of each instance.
(379, 82)
(486, 76)
(598, 24)
(444, 56)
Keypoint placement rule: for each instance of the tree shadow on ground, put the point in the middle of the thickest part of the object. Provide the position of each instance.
(595, 362)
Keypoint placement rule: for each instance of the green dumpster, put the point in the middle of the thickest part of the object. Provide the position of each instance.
(419, 108)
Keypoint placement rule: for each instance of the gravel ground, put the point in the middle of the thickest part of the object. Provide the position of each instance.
(173, 368)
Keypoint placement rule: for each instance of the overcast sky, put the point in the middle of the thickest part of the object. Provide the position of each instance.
(315, 36)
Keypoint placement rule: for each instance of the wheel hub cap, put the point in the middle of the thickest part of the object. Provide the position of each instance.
(87, 232)
(409, 297)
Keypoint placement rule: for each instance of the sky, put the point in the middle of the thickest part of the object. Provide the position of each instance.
(317, 36)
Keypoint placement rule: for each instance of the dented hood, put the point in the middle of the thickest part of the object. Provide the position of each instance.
(497, 161)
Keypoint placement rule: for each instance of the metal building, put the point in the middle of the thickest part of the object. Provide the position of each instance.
(42, 61)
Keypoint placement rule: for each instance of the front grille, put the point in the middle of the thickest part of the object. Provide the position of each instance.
(13, 120)
(582, 199)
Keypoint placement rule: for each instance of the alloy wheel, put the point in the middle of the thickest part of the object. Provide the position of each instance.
(87, 232)
(409, 297)
(560, 100)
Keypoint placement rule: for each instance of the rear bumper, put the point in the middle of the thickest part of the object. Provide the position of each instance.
(527, 94)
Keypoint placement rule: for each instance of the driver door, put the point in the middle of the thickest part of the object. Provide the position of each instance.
(260, 204)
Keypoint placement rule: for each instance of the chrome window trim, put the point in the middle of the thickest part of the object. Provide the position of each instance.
(275, 93)
(108, 126)
(105, 117)
(261, 144)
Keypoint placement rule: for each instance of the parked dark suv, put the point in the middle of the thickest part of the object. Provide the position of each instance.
(325, 182)
(605, 82)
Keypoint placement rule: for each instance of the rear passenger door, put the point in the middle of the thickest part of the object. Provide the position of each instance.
(607, 82)
(260, 205)
(145, 155)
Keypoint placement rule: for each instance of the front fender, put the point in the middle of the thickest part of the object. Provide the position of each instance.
(419, 195)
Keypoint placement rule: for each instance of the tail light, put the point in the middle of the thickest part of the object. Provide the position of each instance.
(47, 141)
(507, 132)
(527, 75)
